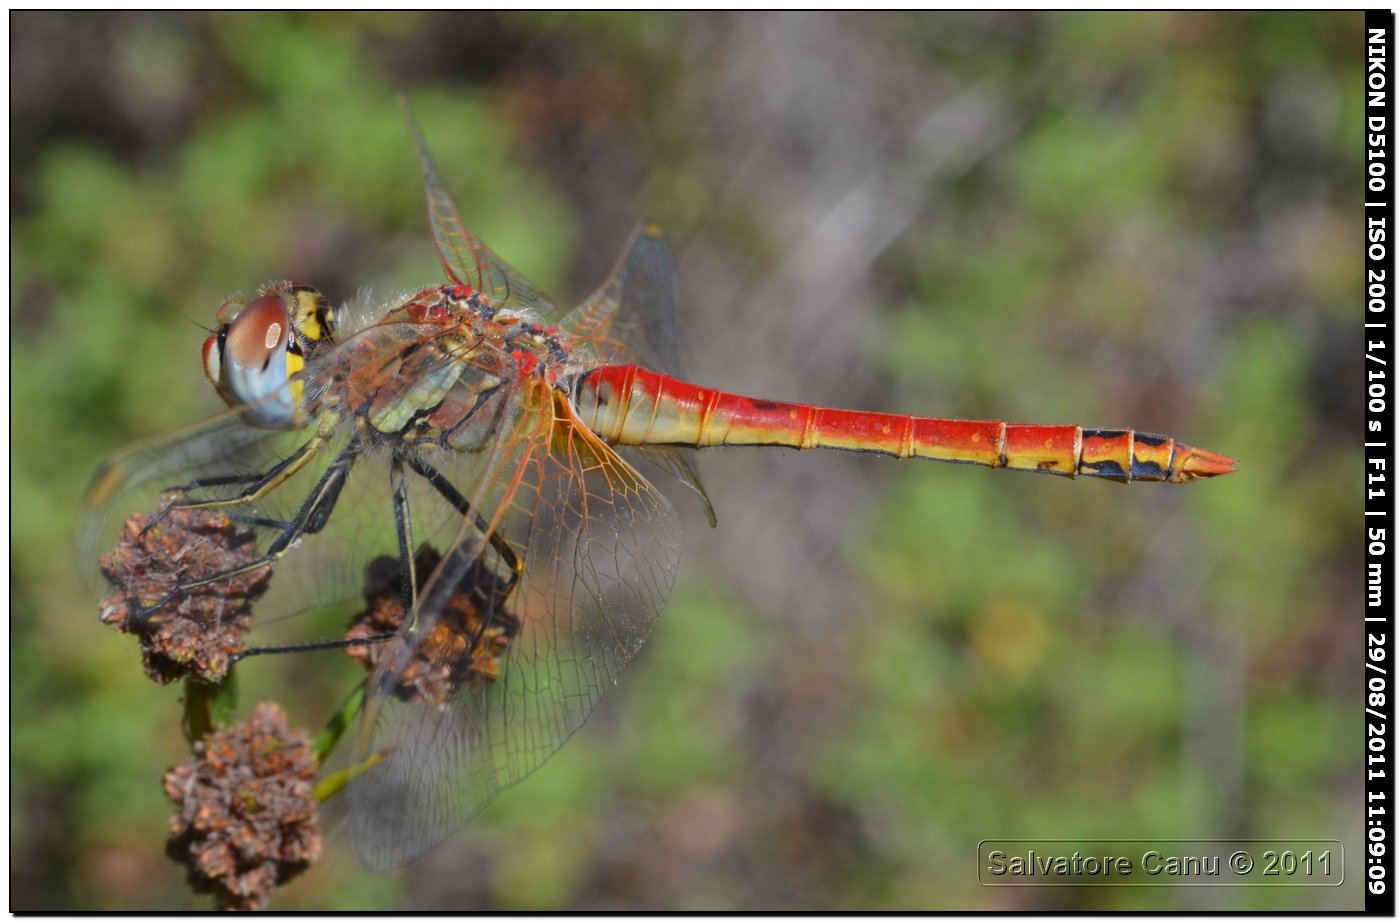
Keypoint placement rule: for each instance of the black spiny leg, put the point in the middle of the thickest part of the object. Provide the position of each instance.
(403, 525)
(487, 585)
(459, 502)
(315, 646)
(310, 518)
(255, 485)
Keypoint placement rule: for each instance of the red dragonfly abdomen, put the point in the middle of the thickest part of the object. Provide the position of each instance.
(629, 405)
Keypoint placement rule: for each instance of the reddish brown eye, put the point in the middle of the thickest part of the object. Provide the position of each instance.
(250, 362)
(257, 333)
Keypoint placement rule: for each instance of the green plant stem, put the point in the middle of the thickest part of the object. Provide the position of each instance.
(333, 784)
(199, 719)
(336, 726)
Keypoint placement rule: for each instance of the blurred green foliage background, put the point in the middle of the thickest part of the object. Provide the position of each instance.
(1141, 220)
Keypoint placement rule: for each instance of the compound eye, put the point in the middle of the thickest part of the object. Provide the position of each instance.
(258, 333)
(250, 357)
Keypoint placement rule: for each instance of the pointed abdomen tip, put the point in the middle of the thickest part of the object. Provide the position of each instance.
(1200, 463)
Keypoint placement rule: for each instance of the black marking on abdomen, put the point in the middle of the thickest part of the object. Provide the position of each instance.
(1111, 470)
(1148, 470)
(602, 392)
(1147, 438)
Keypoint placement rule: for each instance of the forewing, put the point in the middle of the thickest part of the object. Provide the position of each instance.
(599, 547)
(467, 260)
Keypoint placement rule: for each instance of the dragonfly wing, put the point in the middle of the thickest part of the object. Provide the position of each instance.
(675, 462)
(597, 548)
(133, 480)
(467, 260)
(216, 459)
(220, 461)
(631, 318)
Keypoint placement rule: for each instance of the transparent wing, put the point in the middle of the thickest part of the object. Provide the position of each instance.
(220, 459)
(133, 480)
(558, 574)
(631, 319)
(467, 260)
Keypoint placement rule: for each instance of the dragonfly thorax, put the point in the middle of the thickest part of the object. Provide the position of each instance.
(443, 368)
(469, 315)
(256, 355)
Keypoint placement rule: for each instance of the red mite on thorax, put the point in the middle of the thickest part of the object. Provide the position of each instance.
(528, 361)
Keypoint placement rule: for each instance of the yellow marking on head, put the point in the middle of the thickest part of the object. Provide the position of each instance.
(311, 315)
(295, 363)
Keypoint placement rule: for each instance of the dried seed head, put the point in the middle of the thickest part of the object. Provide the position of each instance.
(462, 648)
(245, 817)
(198, 629)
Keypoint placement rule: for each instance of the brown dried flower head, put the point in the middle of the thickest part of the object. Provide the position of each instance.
(463, 648)
(245, 816)
(199, 629)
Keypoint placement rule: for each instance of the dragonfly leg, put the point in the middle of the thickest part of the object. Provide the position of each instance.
(494, 595)
(310, 518)
(314, 524)
(257, 485)
(259, 521)
(459, 502)
(316, 511)
(403, 525)
(315, 646)
(257, 477)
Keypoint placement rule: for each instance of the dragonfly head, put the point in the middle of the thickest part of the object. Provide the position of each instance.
(256, 356)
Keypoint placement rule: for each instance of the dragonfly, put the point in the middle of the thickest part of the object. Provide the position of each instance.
(478, 465)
